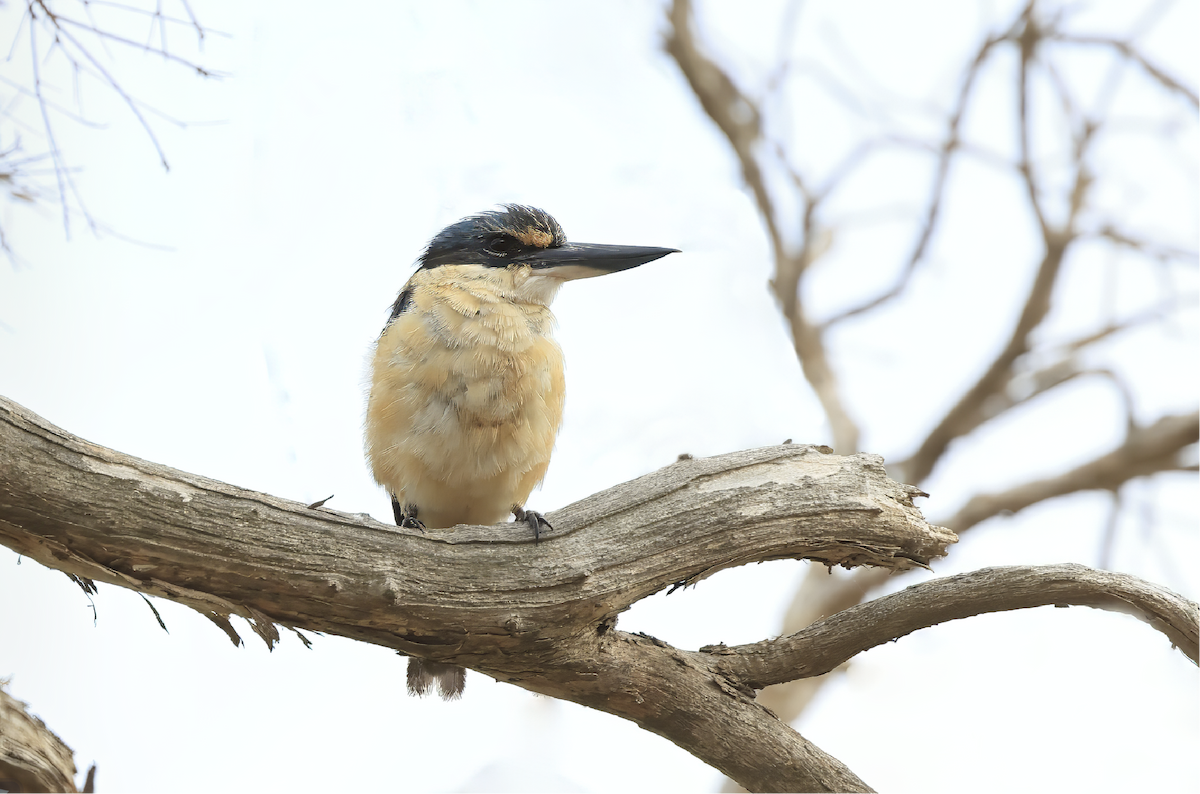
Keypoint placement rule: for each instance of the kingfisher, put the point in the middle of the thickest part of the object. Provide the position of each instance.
(467, 385)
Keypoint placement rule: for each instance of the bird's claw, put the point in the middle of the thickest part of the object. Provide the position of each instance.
(406, 516)
(411, 522)
(534, 519)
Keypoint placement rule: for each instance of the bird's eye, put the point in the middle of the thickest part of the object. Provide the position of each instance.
(503, 245)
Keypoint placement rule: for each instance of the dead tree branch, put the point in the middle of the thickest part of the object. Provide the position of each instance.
(541, 616)
(828, 643)
(1144, 452)
(32, 758)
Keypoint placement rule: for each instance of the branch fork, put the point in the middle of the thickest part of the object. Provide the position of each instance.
(541, 616)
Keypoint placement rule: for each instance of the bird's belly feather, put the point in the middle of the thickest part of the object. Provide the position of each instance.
(462, 418)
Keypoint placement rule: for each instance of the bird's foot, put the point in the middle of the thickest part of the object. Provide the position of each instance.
(534, 519)
(406, 516)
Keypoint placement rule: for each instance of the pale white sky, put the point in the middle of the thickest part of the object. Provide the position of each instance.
(298, 198)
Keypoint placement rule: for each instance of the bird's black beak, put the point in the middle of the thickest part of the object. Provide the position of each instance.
(584, 260)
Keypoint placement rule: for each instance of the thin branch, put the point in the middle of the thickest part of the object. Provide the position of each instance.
(82, 62)
(59, 20)
(733, 113)
(1024, 387)
(78, 119)
(156, 14)
(740, 121)
(1145, 451)
(1150, 248)
(92, 25)
(826, 644)
(1029, 39)
(1127, 49)
(61, 174)
(162, 26)
(200, 30)
(950, 146)
(970, 410)
(112, 82)
(1160, 312)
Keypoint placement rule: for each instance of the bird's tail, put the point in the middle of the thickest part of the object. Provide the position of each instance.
(423, 674)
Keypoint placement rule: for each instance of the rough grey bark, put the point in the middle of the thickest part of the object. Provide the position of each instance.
(541, 616)
(32, 758)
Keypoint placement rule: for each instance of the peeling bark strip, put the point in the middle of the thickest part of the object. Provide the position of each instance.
(538, 616)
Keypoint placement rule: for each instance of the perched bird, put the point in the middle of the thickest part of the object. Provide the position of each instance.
(467, 384)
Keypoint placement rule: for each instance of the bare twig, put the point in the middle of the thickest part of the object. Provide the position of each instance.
(1145, 451)
(1128, 50)
(949, 147)
(60, 20)
(1151, 248)
(61, 34)
(43, 18)
(739, 120)
(969, 412)
(61, 174)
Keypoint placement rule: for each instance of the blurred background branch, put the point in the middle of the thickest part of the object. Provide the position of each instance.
(69, 49)
(1062, 164)
(976, 226)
